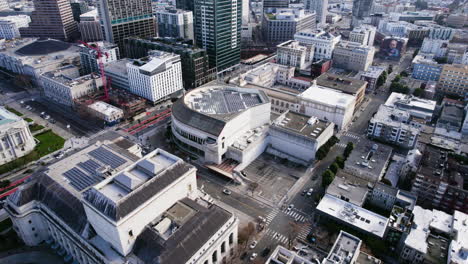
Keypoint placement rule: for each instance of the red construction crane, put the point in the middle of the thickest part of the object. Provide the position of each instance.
(99, 54)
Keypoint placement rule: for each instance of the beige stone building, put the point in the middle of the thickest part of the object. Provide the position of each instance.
(454, 79)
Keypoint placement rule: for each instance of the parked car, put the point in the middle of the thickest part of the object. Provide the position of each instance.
(227, 192)
(254, 255)
(266, 251)
(253, 244)
(290, 207)
(309, 192)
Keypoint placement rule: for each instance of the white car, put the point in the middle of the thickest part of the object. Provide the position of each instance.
(254, 255)
(226, 191)
(253, 244)
(290, 207)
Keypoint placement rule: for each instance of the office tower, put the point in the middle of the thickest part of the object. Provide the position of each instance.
(361, 9)
(320, 7)
(185, 5)
(51, 19)
(364, 34)
(10, 25)
(122, 19)
(78, 7)
(353, 56)
(175, 23)
(217, 29)
(281, 24)
(275, 4)
(88, 60)
(89, 26)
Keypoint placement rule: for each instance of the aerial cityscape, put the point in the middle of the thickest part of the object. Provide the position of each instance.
(233, 131)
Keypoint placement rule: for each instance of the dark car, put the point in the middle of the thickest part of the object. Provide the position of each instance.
(266, 251)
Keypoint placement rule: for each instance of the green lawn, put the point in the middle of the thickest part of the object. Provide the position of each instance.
(14, 111)
(35, 127)
(29, 120)
(48, 143)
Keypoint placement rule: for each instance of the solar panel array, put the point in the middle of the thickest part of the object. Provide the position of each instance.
(105, 156)
(234, 102)
(223, 102)
(89, 166)
(80, 180)
(251, 99)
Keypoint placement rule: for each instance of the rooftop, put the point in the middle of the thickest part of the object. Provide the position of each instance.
(328, 96)
(345, 249)
(369, 157)
(458, 252)
(400, 219)
(354, 46)
(118, 66)
(282, 255)
(198, 224)
(353, 215)
(309, 127)
(372, 72)
(119, 195)
(156, 62)
(412, 103)
(105, 108)
(7, 116)
(349, 188)
(61, 75)
(43, 47)
(317, 34)
(344, 84)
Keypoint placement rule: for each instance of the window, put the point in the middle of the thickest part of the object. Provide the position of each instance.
(214, 257)
(231, 238)
(223, 247)
(130, 233)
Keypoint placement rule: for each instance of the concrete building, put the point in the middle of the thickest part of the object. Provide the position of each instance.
(371, 76)
(281, 24)
(437, 47)
(89, 62)
(439, 183)
(89, 27)
(290, 53)
(268, 75)
(267, 4)
(425, 68)
(195, 64)
(346, 85)
(78, 7)
(453, 80)
(117, 71)
(394, 126)
(319, 7)
(123, 19)
(156, 77)
(51, 19)
(368, 160)
(33, 57)
(349, 188)
(175, 23)
(344, 250)
(64, 85)
(283, 255)
(10, 25)
(353, 56)
(322, 42)
(418, 108)
(107, 205)
(386, 197)
(4, 5)
(331, 208)
(15, 138)
(109, 114)
(457, 20)
(361, 10)
(364, 34)
(218, 31)
(327, 104)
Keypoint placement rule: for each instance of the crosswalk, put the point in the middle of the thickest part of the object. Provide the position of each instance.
(273, 235)
(271, 215)
(347, 134)
(295, 215)
(341, 145)
(305, 230)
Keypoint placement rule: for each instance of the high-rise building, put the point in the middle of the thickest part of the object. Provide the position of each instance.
(217, 29)
(78, 7)
(156, 77)
(195, 67)
(320, 42)
(185, 5)
(361, 9)
(320, 7)
(88, 59)
(275, 4)
(364, 34)
(51, 19)
(175, 23)
(10, 25)
(122, 19)
(89, 26)
(280, 24)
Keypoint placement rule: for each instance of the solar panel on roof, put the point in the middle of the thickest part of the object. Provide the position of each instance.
(107, 157)
(89, 166)
(80, 180)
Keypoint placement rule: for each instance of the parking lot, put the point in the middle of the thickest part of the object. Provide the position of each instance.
(274, 176)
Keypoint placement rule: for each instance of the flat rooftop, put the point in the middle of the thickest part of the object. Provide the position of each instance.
(458, 248)
(220, 100)
(345, 248)
(349, 187)
(119, 195)
(344, 84)
(353, 215)
(282, 255)
(328, 96)
(372, 72)
(394, 117)
(118, 67)
(105, 108)
(309, 127)
(7, 116)
(410, 102)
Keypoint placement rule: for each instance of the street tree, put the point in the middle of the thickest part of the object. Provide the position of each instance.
(334, 167)
(340, 161)
(327, 178)
(252, 187)
(293, 232)
(246, 234)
